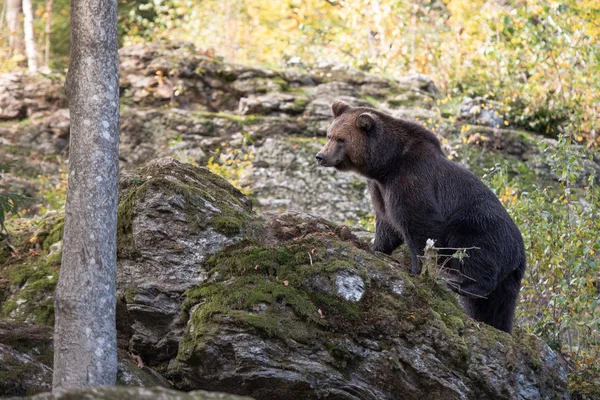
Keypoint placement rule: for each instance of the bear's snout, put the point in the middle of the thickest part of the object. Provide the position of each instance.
(319, 158)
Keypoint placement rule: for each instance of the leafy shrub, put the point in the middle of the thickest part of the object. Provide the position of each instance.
(559, 299)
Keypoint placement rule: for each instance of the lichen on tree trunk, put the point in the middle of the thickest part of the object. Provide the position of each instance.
(85, 332)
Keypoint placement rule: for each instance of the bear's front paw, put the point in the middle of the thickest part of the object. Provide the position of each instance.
(381, 249)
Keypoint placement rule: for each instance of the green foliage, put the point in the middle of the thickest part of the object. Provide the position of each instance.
(233, 163)
(146, 19)
(60, 32)
(559, 299)
(539, 57)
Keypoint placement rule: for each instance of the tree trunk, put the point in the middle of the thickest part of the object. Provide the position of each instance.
(85, 329)
(49, 4)
(29, 38)
(13, 23)
(3, 14)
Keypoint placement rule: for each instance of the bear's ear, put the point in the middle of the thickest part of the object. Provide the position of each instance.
(366, 122)
(339, 107)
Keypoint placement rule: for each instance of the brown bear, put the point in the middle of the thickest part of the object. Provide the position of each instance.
(418, 194)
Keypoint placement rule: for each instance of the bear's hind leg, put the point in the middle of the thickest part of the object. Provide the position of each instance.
(498, 308)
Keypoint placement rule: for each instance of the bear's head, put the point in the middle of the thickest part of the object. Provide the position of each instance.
(373, 143)
(347, 136)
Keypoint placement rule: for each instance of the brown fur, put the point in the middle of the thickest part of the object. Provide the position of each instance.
(418, 194)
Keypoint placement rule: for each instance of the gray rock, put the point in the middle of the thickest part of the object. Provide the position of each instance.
(271, 103)
(484, 112)
(413, 113)
(335, 89)
(301, 183)
(334, 72)
(21, 374)
(23, 95)
(168, 235)
(320, 108)
(134, 393)
(26, 355)
(418, 82)
(349, 285)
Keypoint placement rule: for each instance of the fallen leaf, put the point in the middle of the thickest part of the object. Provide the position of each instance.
(321, 313)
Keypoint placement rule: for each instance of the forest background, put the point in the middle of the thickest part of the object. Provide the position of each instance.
(539, 59)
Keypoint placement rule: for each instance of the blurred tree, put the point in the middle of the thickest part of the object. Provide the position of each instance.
(49, 4)
(13, 23)
(30, 47)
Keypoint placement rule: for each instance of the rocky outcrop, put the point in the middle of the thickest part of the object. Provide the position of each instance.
(287, 305)
(23, 95)
(179, 102)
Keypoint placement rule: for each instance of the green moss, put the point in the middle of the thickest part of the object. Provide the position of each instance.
(335, 307)
(444, 303)
(12, 375)
(129, 295)
(256, 300)
(449, 108)
(238, 119)
(54, 236)
(401, 102)
(373, 101)
(270, 290)
(125, 216)
(16, 150)
(37, 280)
(300, 103)
(227, 225)
(284, 86)
(358, 184)
(232, 117)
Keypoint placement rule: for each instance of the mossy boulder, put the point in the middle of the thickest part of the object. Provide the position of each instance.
(289, 305)
(302, 309)
(171, 217)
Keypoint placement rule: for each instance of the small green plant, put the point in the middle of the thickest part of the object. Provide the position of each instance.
(435, 261)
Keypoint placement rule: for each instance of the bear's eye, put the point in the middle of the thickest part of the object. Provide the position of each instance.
(340, 140)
